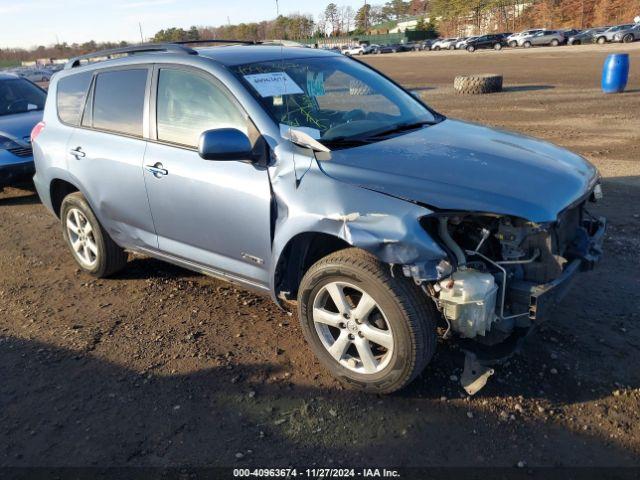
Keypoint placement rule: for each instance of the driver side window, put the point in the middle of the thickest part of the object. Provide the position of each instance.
(189, 103)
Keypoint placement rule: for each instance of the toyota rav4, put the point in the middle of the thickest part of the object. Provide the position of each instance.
(318, 180)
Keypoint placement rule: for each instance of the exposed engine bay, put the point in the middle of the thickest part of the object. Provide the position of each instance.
(505, 269)
(508, 274)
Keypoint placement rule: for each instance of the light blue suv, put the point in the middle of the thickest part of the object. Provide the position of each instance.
(314, 178)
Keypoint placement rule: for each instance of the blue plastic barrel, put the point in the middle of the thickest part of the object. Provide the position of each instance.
(615, 73)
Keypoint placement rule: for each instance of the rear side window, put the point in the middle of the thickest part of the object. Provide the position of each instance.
(118, 104)
(71, 94)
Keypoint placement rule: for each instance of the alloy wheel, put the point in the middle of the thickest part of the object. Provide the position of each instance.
(81, 237)
(352, 328)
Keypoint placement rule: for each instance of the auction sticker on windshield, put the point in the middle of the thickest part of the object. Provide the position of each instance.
(273, 84)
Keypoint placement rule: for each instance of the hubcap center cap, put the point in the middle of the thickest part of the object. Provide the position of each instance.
(352, 326)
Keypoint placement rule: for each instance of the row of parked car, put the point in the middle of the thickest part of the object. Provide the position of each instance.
(35, 74)
(625, 33)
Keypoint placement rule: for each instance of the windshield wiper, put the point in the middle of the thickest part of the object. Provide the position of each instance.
(400, 127)
(344, 142)
(371, 137)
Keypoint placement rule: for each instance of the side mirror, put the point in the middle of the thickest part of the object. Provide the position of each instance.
(225, 144)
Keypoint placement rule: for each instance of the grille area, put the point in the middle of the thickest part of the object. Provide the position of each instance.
(22, 151)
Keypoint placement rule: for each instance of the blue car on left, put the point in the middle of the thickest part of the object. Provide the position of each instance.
(21, 105)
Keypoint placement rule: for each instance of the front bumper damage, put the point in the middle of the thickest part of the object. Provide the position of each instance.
(537, 301)
(541, 299)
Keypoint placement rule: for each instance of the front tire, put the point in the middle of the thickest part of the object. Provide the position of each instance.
(555, 43)
(526, 44)
(91, 246)
(628, 38)
(373, 332)
(602, 40)
(471, 49)
(497, 47)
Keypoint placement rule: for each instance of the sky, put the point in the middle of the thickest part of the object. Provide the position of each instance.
(28, 23)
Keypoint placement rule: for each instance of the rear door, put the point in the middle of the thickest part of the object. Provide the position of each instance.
(214, 213)
(542, 38)
(106, 151)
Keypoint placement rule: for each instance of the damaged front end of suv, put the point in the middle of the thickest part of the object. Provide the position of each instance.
(507, 276)
(390, 219)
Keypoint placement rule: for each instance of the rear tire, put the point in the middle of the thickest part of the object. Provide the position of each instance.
(436, 49)
(471, 49)
(628, 38)
(555, 43)
(601, 40)
(91, 246)
(402, 317)
(497, 47)
(513, 44)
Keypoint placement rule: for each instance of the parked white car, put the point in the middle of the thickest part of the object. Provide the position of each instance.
(357, 50)
(512, 40)
(445, 44)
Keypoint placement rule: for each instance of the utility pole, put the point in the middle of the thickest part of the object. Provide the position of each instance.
(366, 23)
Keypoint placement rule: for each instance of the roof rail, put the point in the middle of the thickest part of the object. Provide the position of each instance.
(170, 47)
(142, 48)
(217, 40)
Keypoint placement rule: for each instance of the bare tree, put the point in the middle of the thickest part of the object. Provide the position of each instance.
(348, 16)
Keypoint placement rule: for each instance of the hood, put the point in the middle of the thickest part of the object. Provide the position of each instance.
(456, 165)
(19, 125)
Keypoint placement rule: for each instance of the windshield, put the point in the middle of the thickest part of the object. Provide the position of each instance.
(336, 100)
(18, 96)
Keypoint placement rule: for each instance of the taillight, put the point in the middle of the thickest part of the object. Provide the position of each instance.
(36, 131)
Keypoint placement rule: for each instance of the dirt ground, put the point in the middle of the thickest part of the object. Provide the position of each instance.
(160, 366)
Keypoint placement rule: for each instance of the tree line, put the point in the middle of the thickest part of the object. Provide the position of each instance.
(448, 17)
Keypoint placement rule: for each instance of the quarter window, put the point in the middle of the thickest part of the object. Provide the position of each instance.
(118, 104)
(72, 91)
(189, 103)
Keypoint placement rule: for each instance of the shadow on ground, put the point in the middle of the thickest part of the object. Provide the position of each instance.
(526, 88)
(69, 408)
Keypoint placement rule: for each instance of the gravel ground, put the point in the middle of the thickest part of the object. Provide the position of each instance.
(160, 366)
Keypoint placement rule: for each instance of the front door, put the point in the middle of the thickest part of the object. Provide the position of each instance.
(213, 213)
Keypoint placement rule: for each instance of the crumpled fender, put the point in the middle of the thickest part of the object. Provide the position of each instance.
(307, 200)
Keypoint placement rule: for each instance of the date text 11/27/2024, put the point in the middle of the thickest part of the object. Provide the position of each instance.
(315, 473)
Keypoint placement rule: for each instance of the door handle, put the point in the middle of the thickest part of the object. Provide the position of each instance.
(157, 170)
(78, 153)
